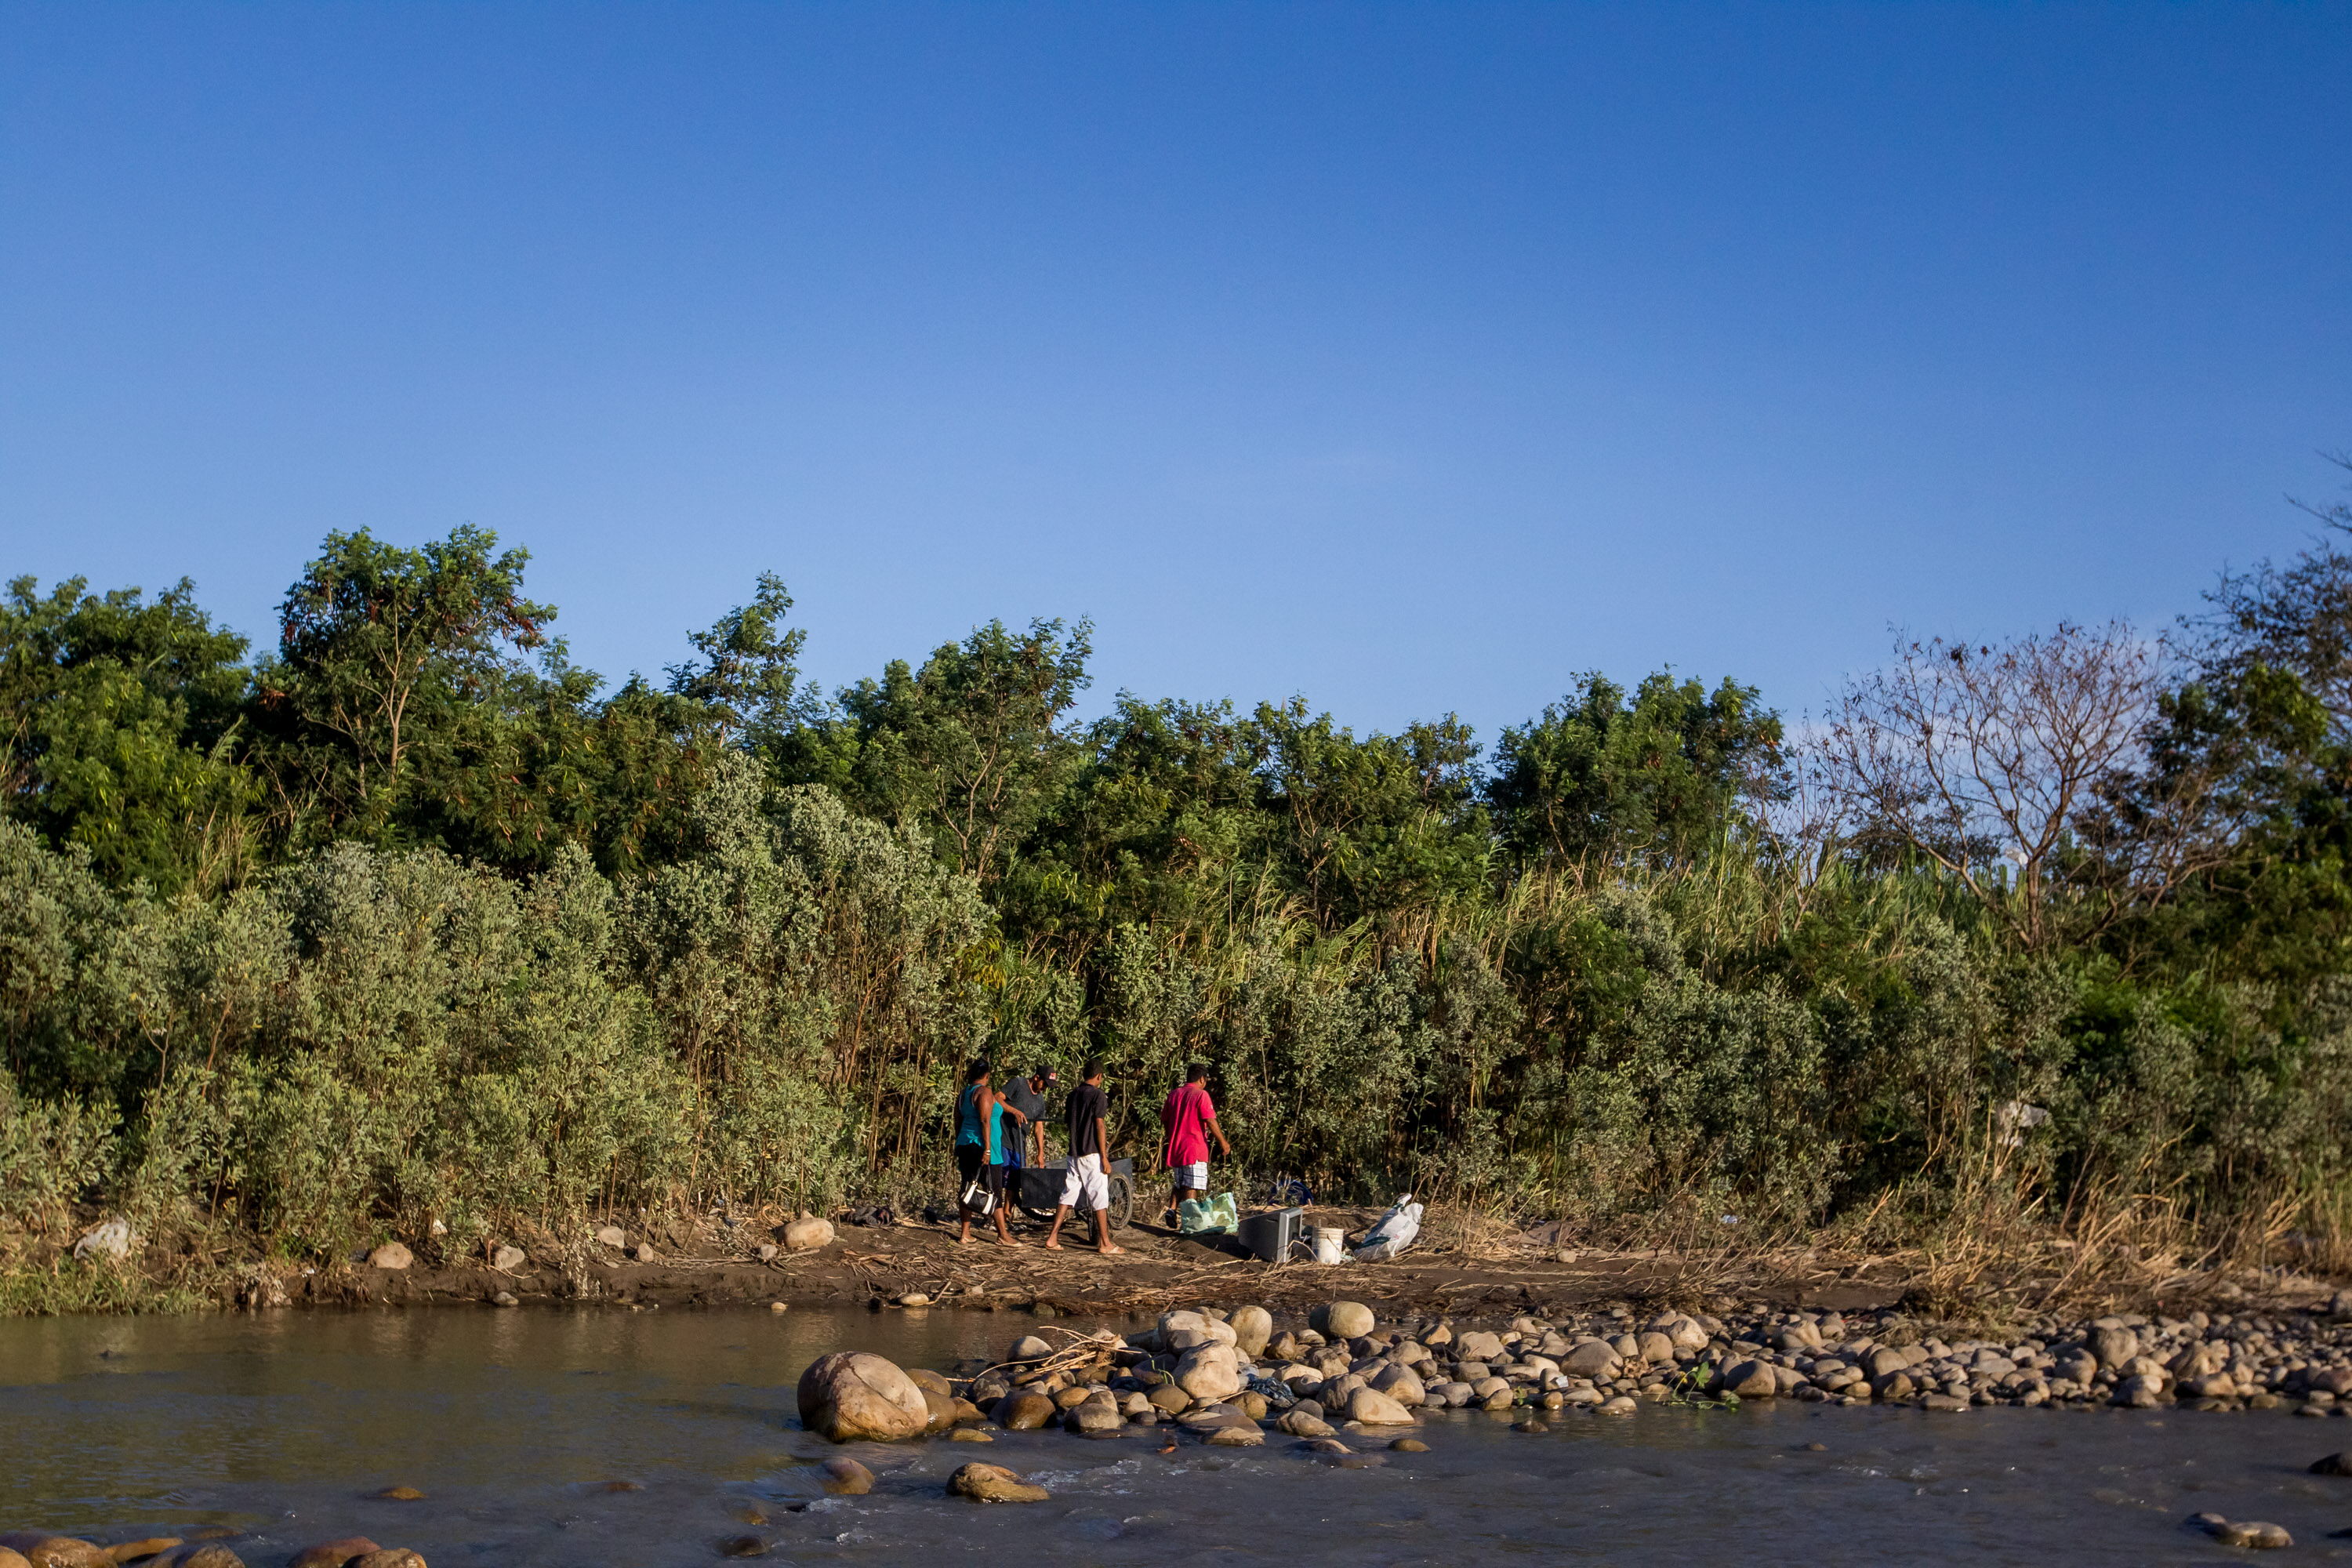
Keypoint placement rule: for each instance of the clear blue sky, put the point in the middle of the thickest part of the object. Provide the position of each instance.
(1410, 357)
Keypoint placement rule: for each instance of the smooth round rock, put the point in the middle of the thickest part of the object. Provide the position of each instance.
(333, 1554)
(807, 1235)
(42, 1550)
(1025, 1411)
(1347, 1320)
(994, 1483)
(851, 1396)
(1410, 1446)
(845, 1477)
(1209, 1372)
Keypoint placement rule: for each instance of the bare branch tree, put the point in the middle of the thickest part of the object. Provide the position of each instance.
(1985, 759)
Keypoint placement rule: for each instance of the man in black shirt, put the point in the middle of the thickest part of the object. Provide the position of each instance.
(1089, 1166)
(1026, 1098)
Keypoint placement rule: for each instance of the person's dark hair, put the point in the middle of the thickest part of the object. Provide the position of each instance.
(974, 1073)
(1196, 1072)
(1041, 1070)
(1094, 1070)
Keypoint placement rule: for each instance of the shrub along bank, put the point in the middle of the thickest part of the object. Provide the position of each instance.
(411, 925)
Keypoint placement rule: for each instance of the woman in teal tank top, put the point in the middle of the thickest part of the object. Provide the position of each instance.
(979, 1154)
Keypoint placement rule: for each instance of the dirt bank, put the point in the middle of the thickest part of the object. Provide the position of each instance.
(706, 1263)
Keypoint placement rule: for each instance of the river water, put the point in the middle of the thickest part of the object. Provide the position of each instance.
(511, 1422)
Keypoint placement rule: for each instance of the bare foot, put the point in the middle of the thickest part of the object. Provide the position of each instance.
(1053, 1246)
(1008, 1241)
(1109, 1251)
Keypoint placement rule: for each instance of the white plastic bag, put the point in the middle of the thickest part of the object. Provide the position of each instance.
(1395, 1232)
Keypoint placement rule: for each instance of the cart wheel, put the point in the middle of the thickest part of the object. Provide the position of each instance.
(1122, 1203)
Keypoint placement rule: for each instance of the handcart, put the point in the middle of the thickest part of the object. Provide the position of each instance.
(1038, 1190)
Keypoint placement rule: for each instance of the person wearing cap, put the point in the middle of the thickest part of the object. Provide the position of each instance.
(1025, 1098)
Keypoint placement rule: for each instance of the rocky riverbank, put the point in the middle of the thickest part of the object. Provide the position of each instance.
(1341, 1365)
(1338, 1382)
(209, 1549)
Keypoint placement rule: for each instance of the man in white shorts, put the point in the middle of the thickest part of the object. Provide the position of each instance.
(1190, 1119)
(1089, 1168)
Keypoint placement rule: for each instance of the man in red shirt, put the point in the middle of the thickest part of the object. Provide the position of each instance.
(1190, 1116)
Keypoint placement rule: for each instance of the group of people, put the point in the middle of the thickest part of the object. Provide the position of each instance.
(1000, 1131)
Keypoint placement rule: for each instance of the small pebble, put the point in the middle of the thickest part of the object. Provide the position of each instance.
(401, 1494)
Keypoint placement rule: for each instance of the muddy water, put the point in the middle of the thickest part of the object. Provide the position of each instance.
(279, 1426)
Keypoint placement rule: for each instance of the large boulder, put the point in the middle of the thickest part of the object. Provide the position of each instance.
(1252, 1326)
(1749, 1380)
(1024, 1410)
(1402, 1385)
(390, 1255)
(1594, 1358)
(1096, 1416)
(2114, 1346)
(994, 1483)
(1301, 1423)
(1373, 1409)
(1345, 1320)
(1209, 1372)
(805, 1235)
(852, 1396)
(1478, 1345)
(1682, 1329)
(1169, 1399)
(1029, 1347)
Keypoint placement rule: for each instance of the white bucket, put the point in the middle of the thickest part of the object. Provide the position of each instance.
(1330, 1244)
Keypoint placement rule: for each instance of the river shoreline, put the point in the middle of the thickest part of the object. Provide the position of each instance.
(716, 1261)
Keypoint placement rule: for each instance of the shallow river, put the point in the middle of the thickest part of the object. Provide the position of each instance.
(510, 1421)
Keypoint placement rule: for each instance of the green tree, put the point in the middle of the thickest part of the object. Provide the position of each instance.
(1371, 826)
(124, 731)
(381, 653)
(971, 749)
(1657, 776)
(748, 669)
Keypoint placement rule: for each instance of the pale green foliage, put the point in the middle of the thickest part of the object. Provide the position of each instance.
(806, 966)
